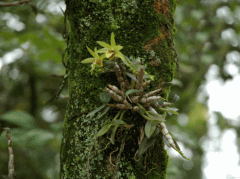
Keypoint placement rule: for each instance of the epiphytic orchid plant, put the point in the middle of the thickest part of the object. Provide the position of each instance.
(131, 96)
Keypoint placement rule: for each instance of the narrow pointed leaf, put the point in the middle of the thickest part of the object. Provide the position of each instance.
(132, 91)
(113, 134)
(156, 119)
(131, 76)
(104, 111)
(112, 40)
(96, 110)
(146, 143)
(173, 110)
(88, 60)
(175, 98)
(117, 122)
(150, 128)
(166, 142)
(155, 115)
(156, 132)
(103, 44)
(103, 130)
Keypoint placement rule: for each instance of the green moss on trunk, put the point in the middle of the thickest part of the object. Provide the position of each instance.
(141, 27)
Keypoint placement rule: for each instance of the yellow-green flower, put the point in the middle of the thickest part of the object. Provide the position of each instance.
(112, 50)
(96, 60)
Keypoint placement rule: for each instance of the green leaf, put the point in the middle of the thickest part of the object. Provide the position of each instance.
(103, 130)
(92, 53)
(160, 101)
(117, 122)
(105, 97)
(96, 110)
(156, 132)
(146, 143)
(104, 112)
(103, 44)
(172, 110)
(131, 76)
(132, 91)
(175, 98)
(156, 117)
(150, 128)
(112, 40)
(19, 118)
(88, 60)
(113, 134)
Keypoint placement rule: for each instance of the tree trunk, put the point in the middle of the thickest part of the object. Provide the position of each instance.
(141, 27)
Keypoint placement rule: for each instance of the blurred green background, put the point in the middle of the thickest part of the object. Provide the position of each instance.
(31, 48)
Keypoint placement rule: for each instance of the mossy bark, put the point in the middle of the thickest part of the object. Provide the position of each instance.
(141, 27)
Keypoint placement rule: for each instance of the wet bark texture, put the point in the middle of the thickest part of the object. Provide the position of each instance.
(144, 28)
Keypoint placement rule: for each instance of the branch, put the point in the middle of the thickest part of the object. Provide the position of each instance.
(14, 3)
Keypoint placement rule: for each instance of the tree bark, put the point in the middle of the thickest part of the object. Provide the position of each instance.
(141, 27)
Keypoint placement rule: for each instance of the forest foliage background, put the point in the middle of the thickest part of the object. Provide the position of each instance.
(31, 48)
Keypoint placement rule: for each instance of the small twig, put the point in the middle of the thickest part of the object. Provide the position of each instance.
(14, 3)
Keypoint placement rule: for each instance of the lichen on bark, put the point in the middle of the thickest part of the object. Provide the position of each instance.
(142, 27)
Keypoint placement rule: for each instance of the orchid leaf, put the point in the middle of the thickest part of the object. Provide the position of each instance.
(117, 122)
(146, 143)
(172, 110)
(96, 110)
(131, 76)
(132, 91)
(105, 97)
(103, 130)
(104, 112)
(150, 128)
(113, 134)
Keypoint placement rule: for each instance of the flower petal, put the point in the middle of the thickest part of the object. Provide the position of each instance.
(118, 47)
(103, 44)
(88, 60)
(92, 53)
(112, 40)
